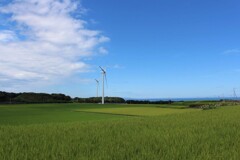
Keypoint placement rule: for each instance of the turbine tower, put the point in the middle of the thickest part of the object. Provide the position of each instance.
(97, 85)
(234, 93)
(103, 78)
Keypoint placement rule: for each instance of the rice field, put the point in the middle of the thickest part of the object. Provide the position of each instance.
(58, 131)
(139, 111)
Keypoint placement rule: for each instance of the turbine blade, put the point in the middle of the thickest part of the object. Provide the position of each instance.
(102, 69)
(96, 80)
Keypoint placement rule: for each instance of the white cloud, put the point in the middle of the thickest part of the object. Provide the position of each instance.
(117, 66)
(48, 41)
(7, 35)
(232, 51)
(102, 50)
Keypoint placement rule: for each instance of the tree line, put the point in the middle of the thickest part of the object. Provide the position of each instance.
(148, 102)
(31, 97)
(99, 100)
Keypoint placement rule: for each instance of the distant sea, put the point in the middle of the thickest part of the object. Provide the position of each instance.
(184, 99)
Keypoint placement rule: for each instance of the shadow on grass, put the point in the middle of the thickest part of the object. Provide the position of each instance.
(128, 115)
(173, 107)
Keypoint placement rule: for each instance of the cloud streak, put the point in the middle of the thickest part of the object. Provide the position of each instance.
(232, 52)
(47, 41)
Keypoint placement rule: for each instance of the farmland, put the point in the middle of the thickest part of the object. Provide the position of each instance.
(90, 131)
(139, 111)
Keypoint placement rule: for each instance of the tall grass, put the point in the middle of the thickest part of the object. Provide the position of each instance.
(141, 111)
(211, 134)
(49, 113)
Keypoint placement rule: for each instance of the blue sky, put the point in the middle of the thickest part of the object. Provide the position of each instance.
(150, 48)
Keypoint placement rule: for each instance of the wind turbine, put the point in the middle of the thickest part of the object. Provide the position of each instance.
(97, 85)
(103, 78)
(234, 93)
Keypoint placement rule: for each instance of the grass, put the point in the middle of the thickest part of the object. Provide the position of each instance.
(210, 134)
(139, 111)
(48, 113)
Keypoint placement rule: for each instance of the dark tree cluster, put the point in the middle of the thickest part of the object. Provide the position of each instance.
(148, 102)
(30, 97)
(99, 100)
(6, 97)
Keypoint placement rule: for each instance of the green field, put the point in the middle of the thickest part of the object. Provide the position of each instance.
(139, 111)
(48, 113)
(91, 131)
